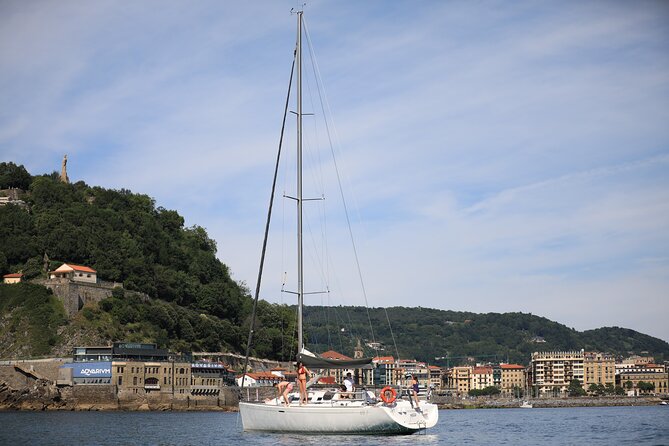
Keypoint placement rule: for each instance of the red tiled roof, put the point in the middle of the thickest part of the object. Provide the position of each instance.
(13, 276)
(482, 370)
(81, 268)
(512, 366)
(384, 359)
(331, 354)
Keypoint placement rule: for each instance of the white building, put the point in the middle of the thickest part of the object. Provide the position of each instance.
(76, 273)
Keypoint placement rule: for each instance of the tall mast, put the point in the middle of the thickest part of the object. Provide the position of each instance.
(300, 272)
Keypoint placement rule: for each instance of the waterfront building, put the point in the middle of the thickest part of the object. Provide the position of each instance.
(553, 371)
(481, 377)
(460, 379)
(85, 373)
(207, 378)
(385, 371)
(512, 379)
(638, 362)
(145, 377)
(436, 376)
(598, 368)
(650, 374)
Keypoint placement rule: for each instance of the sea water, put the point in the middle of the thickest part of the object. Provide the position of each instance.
(584, 426)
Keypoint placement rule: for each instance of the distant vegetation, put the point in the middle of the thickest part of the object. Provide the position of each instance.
(195, 304)
(453, 337)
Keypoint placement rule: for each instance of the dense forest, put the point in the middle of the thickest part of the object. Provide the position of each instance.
(194, 305)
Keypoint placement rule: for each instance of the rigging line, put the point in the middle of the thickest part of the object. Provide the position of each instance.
(327, 321)
(269, 217)
(317, 176)
(341, 191)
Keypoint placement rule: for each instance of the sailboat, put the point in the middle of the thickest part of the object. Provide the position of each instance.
(328, 411)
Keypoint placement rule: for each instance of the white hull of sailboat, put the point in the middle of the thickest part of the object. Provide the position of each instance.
(399, 418)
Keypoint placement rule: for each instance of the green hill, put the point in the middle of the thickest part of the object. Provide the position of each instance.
(194, 303)
(426, 334)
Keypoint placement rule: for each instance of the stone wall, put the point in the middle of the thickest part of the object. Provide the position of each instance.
(95, 397)
(74, 295)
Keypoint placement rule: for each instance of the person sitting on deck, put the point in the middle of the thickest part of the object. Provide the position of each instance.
(348, 384)
(343, 394)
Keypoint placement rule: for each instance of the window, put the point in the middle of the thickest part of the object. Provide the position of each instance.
(120, 380)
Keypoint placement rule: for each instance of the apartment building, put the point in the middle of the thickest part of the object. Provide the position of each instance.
(598, 368)
(482, 377)
(553, 371)
(384, 371)
(435, 377)
(460, 379)
(655, 374)
(513, 378)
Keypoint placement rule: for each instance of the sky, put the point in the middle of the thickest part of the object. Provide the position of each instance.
(494, 156)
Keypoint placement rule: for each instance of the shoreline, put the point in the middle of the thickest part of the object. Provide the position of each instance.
(550, 403)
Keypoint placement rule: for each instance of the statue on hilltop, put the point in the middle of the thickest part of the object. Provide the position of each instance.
(63, 171)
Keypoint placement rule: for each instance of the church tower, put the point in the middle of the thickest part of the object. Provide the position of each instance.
(358, 352)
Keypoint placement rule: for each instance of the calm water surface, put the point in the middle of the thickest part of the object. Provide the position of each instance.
(587, 426)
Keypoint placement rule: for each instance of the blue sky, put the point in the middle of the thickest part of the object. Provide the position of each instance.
(497, 156)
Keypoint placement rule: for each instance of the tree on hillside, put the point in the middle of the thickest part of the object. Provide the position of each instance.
(13, 176)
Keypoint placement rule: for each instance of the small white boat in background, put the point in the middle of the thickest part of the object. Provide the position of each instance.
(526, 405)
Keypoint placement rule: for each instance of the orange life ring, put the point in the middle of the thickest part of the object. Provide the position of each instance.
(388, 395)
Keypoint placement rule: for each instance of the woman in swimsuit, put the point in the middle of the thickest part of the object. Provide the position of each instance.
(302, 373)
(414, 388)
(284, 388)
